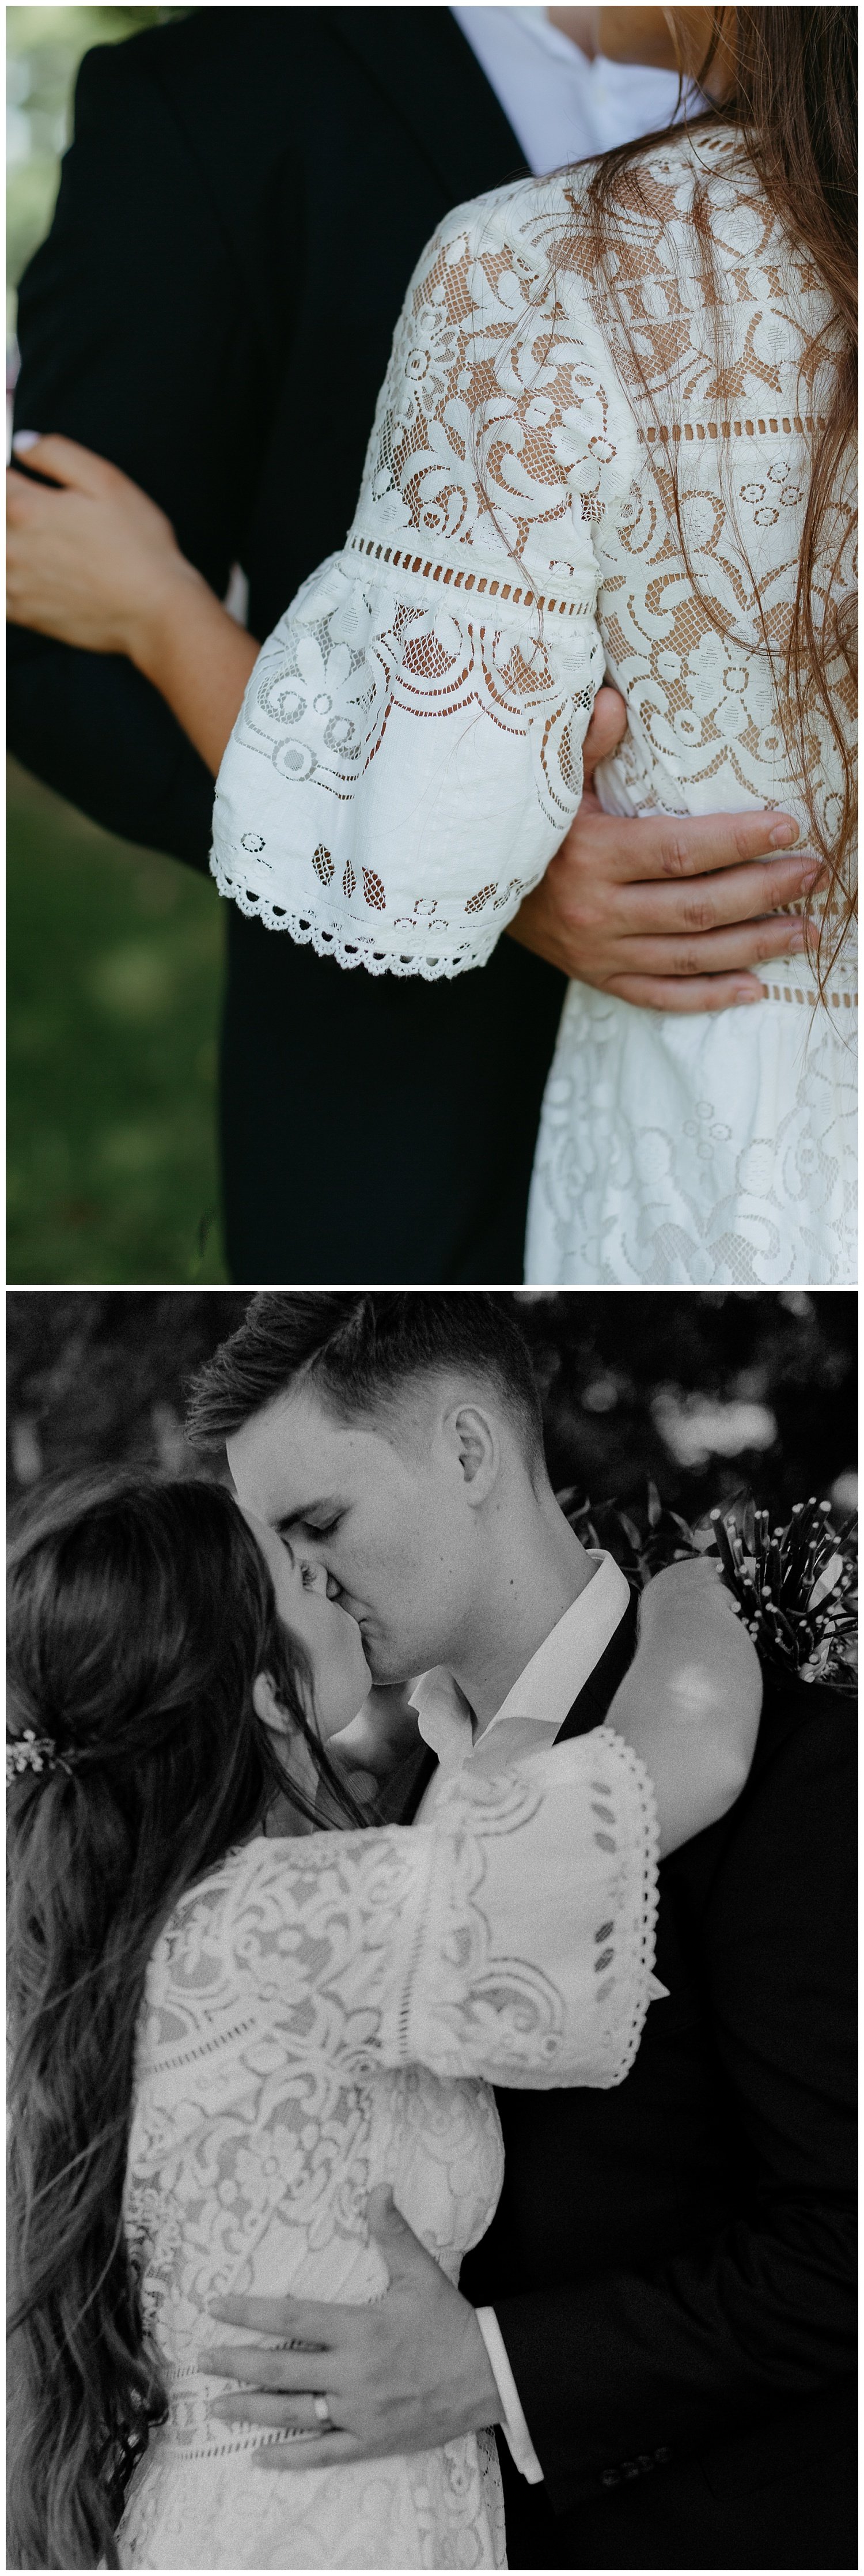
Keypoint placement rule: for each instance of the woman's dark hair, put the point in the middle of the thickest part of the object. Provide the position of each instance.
(139, 1616)
(360, 1352)
(794, 99)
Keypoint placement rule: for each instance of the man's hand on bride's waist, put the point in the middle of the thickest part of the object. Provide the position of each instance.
(669, 912)
(404, 2374)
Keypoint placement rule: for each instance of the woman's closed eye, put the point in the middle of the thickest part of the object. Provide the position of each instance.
(313, 1577)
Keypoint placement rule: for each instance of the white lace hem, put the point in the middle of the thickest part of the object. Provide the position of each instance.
(330, 937)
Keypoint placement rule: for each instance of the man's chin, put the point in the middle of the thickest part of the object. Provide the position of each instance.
(387, 1668)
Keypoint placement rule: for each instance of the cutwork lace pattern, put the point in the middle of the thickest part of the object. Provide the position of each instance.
(320, 2016)
(408, 757)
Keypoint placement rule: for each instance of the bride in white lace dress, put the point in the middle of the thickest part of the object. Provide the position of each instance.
(408, 756)
(225, 2040)
(615, 437)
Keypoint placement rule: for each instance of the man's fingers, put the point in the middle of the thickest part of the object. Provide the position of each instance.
(295, 2372)
(291, 2414)
(748, 894)
(249, 2407)
(685, 994)
(606, 729)
(65, 462)
(313, 2321)
(306, 2454)
(691, 845)
(714, 952)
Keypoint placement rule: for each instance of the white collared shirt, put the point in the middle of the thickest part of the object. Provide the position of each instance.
(541, 1698)
(561, 106)
(544, 1692)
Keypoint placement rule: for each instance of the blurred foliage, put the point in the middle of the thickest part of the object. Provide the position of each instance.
(98, 1378)
(113, 965)
(795, 1582)
(114, 954)
(701, 1391)
(43, 51)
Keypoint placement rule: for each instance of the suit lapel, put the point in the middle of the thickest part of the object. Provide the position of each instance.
(399, 1797)
(423, 65)
(591, 1707)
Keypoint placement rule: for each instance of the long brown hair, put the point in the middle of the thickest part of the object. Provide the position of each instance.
(794, 101)
(138, 1619)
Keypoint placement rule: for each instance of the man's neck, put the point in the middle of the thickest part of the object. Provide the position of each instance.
(579, 25)
(534, 1582)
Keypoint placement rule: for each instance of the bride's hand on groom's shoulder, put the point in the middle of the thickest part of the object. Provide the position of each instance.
(690, 1630)
(691, 1702)
(90, 559)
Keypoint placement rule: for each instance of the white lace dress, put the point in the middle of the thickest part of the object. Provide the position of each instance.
(320, 2016)
(408, 757)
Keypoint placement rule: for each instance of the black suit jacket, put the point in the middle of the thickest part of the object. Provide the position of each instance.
(239, 214)
(671, 2262)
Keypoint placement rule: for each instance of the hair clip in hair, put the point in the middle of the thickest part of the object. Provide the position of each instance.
(29, 1752)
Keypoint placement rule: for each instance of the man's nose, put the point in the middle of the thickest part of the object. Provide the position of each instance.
(334, 1589)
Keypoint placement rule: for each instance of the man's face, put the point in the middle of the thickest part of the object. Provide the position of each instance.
(388, 1522)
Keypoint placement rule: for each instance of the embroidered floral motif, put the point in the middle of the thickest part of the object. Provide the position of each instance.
(429, 689)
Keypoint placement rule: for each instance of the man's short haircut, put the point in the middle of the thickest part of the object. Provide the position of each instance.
(358, 1352)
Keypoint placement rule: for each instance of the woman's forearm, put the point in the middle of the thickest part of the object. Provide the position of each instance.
(198, 658)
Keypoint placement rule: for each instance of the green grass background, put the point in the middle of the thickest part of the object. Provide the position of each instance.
(114, 971)
(114, 954)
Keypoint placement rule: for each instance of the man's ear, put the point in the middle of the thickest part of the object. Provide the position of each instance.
(477, 1449)
(266, 1706)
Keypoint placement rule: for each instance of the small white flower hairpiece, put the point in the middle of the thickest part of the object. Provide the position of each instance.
(29, 1752)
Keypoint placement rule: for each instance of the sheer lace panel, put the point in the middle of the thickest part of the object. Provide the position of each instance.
(318, 2018)
(408, 757)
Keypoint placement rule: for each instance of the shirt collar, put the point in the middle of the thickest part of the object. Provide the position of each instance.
(546, 1690)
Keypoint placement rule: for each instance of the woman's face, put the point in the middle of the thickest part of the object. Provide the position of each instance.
(674, 40)
(341, 1678)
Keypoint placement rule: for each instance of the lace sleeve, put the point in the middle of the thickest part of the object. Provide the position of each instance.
(408, 757)
(512, 1938)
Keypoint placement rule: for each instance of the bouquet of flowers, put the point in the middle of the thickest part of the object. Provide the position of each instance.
(796, 1584)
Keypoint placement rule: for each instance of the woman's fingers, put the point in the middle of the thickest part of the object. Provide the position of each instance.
(65, 462)
(23, 499)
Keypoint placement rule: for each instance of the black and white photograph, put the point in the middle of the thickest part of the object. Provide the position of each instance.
(431, 1748)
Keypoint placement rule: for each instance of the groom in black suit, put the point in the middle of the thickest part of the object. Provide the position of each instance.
(247, 193)
(670, 2268)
